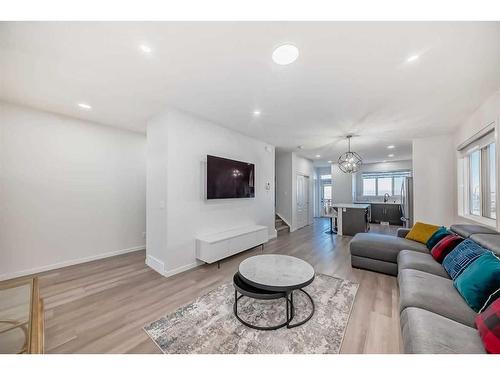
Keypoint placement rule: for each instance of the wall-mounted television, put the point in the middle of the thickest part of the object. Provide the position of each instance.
(228, 178)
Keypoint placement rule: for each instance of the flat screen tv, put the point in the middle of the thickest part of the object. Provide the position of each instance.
(228, 178)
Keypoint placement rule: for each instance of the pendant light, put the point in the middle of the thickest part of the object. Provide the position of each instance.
(350, 161)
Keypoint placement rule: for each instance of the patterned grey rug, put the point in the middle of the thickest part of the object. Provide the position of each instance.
(208, 325)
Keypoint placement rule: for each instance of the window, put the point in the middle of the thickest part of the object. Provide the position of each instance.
(327, 191)
(379, 184)
(478, 194)
(475, 183)
(369, 188)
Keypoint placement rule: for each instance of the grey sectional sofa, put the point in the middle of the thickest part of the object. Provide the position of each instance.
(434, 317)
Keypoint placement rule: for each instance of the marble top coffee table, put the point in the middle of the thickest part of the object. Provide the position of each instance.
(273, 276)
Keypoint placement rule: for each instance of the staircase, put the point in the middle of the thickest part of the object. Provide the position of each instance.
(281, 226)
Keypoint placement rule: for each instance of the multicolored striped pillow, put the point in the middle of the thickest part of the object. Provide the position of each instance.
(445, 246)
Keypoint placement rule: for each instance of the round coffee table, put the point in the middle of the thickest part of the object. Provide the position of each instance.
(273, 276)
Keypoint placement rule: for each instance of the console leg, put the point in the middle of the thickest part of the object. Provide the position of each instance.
(218, 265)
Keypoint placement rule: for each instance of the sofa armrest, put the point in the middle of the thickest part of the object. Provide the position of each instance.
(402, 232)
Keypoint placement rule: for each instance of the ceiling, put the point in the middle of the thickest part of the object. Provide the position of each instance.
(350, 77)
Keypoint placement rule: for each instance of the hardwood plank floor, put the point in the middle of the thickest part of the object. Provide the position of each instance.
(101, 306)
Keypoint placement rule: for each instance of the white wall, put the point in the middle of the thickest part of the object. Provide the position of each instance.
(341, 185)
(70, 191)
(178, 144)
(434, 170)
(487, 113)
(284, 186)
(390, 166)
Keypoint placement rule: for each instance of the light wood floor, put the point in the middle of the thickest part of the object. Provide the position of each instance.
(101, 306)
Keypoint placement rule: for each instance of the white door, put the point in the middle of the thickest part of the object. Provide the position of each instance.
(302, 201)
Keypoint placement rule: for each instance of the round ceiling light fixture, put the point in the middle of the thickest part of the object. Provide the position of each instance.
(350, 161)
(285, 54)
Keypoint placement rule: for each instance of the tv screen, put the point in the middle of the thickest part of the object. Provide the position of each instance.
(228, 178)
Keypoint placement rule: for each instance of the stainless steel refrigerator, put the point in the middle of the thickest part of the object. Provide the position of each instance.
(407, 202)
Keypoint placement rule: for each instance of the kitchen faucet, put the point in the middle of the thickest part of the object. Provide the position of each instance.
(386, 197)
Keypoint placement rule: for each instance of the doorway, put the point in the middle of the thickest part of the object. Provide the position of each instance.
(302, 201)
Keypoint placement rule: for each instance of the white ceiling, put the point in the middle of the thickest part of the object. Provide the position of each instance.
(350, 77)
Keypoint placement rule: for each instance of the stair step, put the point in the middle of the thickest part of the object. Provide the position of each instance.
(283, 227)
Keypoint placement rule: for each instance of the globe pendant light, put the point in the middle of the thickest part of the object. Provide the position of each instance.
(350, 161)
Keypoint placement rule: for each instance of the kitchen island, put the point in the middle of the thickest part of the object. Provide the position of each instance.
(352, 218)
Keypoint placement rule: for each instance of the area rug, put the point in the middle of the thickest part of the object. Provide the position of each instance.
(208, 324)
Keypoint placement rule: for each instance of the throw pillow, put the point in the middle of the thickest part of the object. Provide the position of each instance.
(421, 232)
(436, 237)
(488, 327)
(480, 280)
(461, 257)
(445, 246)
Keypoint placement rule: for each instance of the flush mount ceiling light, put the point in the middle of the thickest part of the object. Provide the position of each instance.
(318, 156)
(285, 54)
(390, 146)
(256, 113)
(350, 161)
(145, 49)
(391, 155)
(412, 58)
(85, 106)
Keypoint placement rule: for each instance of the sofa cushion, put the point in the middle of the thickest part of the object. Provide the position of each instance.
(461, 257)
(436, 237)
(488, 326)
(421, 232)
(382, 247)
(408, 259)
(488, 241)
(479, 281)
(445, 246)
(425, 332)
(433, 293)
(466, 230)
(374, 265)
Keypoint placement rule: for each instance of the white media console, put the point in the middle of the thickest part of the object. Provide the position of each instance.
(214, 247)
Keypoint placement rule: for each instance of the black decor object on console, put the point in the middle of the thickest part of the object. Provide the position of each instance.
(228, 178)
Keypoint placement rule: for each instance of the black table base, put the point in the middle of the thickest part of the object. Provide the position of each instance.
(246, 290)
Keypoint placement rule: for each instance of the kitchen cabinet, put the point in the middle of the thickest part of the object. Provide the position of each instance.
(387, 212)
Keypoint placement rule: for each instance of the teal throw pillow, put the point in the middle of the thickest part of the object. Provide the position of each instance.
(480, 280)
(436, 237)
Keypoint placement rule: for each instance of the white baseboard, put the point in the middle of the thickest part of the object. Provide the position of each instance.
(181, 269)
(50, 267)
(274, 234)
(155, 264)
(159, 266)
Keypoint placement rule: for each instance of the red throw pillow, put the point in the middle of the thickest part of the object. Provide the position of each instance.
(488, 326)
(443, 247)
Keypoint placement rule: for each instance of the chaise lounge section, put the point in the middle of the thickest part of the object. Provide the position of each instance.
(434, 317)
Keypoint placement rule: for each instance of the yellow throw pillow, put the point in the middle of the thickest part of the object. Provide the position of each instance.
(421, 232)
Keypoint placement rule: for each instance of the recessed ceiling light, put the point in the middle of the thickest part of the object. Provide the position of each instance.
(85, 106)
(330, 162)
(384, 161)
(285, 54)
(390, 146)
(391, 155)
(412, 58)
(256, 113)
(145, 49)
(318, 156)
